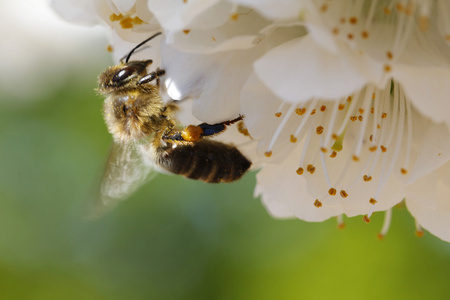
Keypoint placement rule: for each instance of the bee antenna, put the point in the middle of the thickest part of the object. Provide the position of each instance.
(138, 46)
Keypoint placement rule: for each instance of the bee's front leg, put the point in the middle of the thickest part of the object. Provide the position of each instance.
(152, 76)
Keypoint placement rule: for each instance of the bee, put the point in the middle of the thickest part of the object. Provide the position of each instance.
(147, 134)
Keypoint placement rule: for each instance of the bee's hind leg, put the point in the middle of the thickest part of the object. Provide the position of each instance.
(209, 130)
(152, 76)
(193, 133)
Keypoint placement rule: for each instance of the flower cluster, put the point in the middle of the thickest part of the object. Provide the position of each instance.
(345, 102)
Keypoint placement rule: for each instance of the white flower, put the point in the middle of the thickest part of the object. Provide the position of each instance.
(347, 100)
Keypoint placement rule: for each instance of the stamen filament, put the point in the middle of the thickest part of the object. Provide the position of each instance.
(280, 127)
(386, 222)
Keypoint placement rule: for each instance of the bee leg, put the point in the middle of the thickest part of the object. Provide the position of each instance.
(152, 76)
(193, 133)
(214, 129)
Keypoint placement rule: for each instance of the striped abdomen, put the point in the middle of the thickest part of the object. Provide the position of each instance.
(205, 160)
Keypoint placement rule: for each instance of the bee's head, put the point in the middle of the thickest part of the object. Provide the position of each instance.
(122, 76)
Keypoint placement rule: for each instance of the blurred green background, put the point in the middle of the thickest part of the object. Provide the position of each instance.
(175, 238)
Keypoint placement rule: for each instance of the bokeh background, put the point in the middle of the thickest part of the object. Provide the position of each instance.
(175, 238)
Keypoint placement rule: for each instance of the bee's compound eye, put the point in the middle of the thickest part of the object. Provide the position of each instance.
(122, 74)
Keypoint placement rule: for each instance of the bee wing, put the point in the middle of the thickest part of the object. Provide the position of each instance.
(124, 173)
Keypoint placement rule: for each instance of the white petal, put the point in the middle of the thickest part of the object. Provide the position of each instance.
(149, 51)
(273, 9)
(432, 143)
(174, 15)
(284, 193)
(428, 201)
(240, 31)
(81, 12)
(214, 81)
(124, 25)
(123, 6)
(259, 105)
(428, 88)
(300, 70)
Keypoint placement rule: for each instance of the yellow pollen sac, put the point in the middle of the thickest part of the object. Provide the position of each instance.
(350, 36)
(355, 158)
(185, 1)
(126, 23)
(383, 148)
(373, 148)
(324, 8)
(373, 96)
(317, 203)
(361, 111)
(353, 118)
(353, 20)
(400, 7)
(109, 48)
(323, 108)
(299, 171)
(365, 34)
(138, 21)
(373, 201)
(293, 139)
(278, 114)
(384, 115)
(332, 191)
(114, 17)
(341, 106)
(213, 38)
(319, 130)
(343, 194)
(268, 153)
(192, 133)
(333, 154)
(387, 11)
(349, 99)
(419, 233)
(186, 31)
(324, 150)
(341, 226)
(360, 118)
(234, 17)
(313, 112)
(372, 110)
(335, 31)
(371, 138)
(403, 171)
(367, 178)
(387, 68)
(366, 219)
(389, 55)
(334, 136)
(300, 111)
(311, 169)
(380, 236)
(241, 128)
